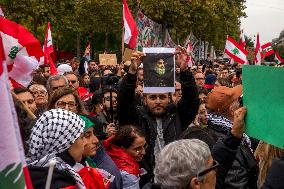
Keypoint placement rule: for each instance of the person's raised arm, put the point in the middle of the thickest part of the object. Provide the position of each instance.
(125, 106)
(225, 150)
(189, 103)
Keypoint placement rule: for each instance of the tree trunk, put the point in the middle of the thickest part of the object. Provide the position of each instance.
(106, 41)
(35, 26)
(78, 45)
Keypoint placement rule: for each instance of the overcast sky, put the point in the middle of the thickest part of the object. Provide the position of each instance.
(265, 17)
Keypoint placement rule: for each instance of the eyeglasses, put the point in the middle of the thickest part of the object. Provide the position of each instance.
(62, 104)
(141, 148)
(72, 81)
(204, 172)
(36, 93)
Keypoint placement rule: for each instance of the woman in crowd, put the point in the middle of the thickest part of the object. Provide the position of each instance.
(40, 95)
(265, 154)
(57, 135)
(85, 82)
(68, 99)
(201, 118)
(126, 148)
(96, 157)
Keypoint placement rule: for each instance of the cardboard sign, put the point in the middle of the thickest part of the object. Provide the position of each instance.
(107, 59)
(159, 70)
(264, 96)
(127, 54)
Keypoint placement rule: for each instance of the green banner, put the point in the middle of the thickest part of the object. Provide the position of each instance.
(263, 90)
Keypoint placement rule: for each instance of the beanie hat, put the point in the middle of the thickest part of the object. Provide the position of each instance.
(210, 79)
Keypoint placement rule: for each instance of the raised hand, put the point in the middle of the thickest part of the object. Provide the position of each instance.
(181, 58)
(135, 61)
(239, 124)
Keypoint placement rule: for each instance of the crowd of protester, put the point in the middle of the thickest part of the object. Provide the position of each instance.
(102, 131)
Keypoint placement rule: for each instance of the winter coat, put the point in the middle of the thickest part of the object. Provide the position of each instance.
(175, 120)
(244, 170)
(60, 178)
(103, 161)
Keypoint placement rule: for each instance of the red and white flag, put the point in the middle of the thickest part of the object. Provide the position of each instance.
(22, 51)
(189, 52)
(235, 51)
(242, 39)
(130, 28)
(48, 51)
(277, 58)
(13, 168)
(267, 50)
(257, 52)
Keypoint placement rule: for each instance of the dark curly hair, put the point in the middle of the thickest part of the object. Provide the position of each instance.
(126, 135)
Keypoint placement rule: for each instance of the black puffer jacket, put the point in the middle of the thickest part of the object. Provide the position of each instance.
(174, 121)
(244, 171)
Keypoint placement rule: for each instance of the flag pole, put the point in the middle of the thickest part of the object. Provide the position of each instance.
(122, 43)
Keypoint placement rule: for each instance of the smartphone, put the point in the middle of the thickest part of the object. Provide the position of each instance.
(241, 101)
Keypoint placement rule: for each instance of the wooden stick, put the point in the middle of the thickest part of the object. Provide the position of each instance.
(122, 44)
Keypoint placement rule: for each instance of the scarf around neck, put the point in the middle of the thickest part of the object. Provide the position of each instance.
(121, 158)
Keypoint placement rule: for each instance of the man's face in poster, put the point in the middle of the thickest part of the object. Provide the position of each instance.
(160, 67)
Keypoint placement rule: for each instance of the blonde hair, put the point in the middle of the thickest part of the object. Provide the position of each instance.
(265, 153)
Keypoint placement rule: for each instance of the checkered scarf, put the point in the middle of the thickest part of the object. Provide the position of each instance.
(54, 132)
(225, 124)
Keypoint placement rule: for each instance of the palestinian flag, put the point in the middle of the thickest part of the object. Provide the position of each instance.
(234, 50)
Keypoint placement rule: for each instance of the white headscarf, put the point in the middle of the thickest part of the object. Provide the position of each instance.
(54, 132)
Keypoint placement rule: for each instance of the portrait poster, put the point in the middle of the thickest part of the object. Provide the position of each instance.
(159, 70)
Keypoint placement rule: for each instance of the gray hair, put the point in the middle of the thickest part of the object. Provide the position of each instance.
(180, 161)
(55, 78)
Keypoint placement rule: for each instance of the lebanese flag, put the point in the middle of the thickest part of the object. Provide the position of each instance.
(267, 50)
(257, 52)
(242, 39)
(22, 51)
(49, 51)
(189, 52)
(130, 28)
(234, 50)
(277, 58)
(13, 168)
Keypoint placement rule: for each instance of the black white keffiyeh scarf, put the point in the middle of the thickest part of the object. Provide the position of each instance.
(221, 123)
(54, 132)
